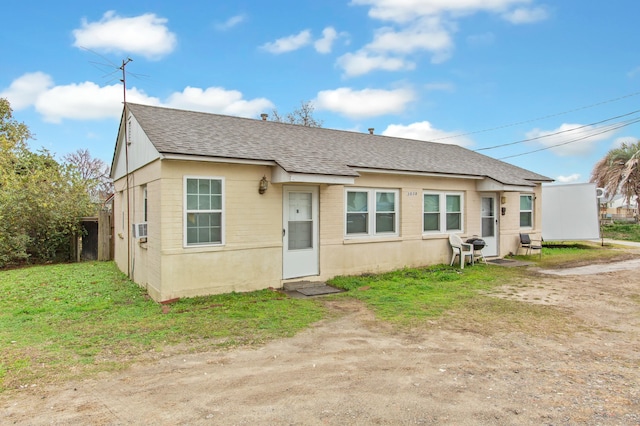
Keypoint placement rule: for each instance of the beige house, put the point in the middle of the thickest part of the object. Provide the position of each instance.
(210, 204)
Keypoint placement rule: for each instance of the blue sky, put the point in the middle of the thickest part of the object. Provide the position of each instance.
(557, 82)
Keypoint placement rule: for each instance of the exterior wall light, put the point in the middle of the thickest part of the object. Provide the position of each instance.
(263, 185)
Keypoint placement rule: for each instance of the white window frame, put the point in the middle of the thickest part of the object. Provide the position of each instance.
(442, 224)
(372, 212)
(533, 198)
(186, 212)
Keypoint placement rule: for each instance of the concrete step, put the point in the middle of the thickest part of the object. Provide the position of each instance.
(297, 285)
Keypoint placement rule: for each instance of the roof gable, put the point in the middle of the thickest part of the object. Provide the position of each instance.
(313, 150)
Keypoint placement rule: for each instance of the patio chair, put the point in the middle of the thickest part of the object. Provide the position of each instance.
(527, 243)
(460, 249)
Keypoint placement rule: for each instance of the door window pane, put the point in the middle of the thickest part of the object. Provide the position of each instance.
(300, 235)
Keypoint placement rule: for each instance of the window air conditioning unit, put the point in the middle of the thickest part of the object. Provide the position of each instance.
(140, 230)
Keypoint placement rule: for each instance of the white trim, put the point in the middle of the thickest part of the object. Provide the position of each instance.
(222, 211)
(184, 157)
(302, 262)
(442, 226)
(279, 175)
(490, 185)
(371, 212)
(520, 211)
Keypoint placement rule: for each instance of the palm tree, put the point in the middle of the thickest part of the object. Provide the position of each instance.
(619, 171)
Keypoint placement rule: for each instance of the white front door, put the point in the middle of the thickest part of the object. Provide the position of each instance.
(300, 232)
(489, 221)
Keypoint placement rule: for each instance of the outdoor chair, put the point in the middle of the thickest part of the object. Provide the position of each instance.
(460, 249)
(527, 243)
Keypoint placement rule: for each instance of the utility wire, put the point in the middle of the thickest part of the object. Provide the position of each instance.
(609, 128)
(557, 133)
(538, 118)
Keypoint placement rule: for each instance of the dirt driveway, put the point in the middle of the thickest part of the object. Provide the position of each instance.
(352, 369)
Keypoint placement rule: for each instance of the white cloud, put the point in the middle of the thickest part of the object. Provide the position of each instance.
(524, 15)
(361, 63)
(218, 100)
(145, 35)
(426, 34)
(424, 131)
(568, 179)
(429, 25)
(88, 101)
(324, 44)
(288, 44)
(24, 90)
(571, 139)
(364, 103)
(625, 140)
(231, 22)
(407, 10)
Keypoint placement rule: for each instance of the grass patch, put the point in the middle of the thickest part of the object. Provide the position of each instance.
(622, 231)
(557, 254)
(409, 296)
(72, 320)
(67, 320)
(488, 315)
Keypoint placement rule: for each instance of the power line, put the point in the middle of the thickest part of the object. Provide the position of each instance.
(609, 128)
(538, 118)
(557, 133)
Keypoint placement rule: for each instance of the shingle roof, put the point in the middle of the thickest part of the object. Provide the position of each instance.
(312, 150)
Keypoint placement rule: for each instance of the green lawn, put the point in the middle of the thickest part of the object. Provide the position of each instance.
(72, 320)
(67, 320)
(622, 231)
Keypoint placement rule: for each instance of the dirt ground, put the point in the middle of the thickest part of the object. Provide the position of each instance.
(354, 370)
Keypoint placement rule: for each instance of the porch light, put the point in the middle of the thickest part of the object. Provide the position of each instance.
(263, 185)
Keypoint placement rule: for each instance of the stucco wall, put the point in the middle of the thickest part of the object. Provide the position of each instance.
(144, 265)
(510, 223)
(251, 256)
(349, 256)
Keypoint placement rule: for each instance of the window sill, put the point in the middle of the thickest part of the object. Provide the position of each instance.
(439, 235)
(368, 240)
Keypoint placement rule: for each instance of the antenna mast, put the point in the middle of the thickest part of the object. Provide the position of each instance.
(126, 151)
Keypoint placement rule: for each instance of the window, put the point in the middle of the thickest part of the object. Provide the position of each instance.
(204, 203)
(371, 212)
(526, 211)
(441, 212)
(144, 203)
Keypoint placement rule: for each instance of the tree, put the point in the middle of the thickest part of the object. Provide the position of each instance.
(94, 172)
(41, 201)
(302, 116)
(619, 171)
